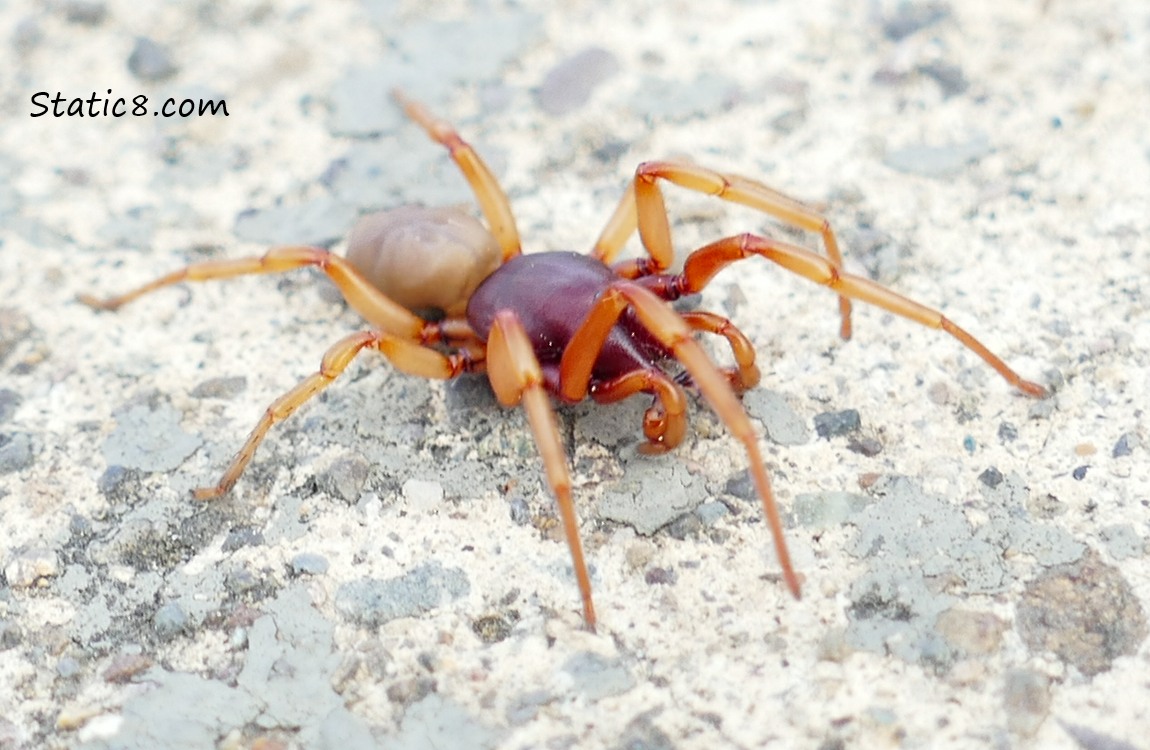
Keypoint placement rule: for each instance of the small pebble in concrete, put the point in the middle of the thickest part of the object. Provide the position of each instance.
(244, 536)
(309, 563)
(67, 667)
(973, 633)
(1090, 739)
(15, 326)
(15, 452)
(223, 387)
(126, 666)
(710, 513)
(170, 620)
(26, 36)
(1045, 506)
(1026, 698)
(1084, 612)
(85, 12)
(909, 18)
(31, 567)
(938, 162)
(9, 401)
(741, 486)
(495, 627)
(569, 85)
(151, 61)
(948, 76)
(939, 393)
(1007, 432)
(1124, 447)
(684, 526)
(865, 446)
(1042, 409)
(410, 690)
(991, 477)
(835, 423)
(10, 635)
(345, 478)
(642, 734)
(118, 484)
(241, 581)
(520, 511)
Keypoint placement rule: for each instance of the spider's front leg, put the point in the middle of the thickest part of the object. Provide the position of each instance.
(676, 335)
(642, 208)
(516, 377)
(701, 266)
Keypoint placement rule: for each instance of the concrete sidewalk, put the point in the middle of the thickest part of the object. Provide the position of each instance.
(389, 571)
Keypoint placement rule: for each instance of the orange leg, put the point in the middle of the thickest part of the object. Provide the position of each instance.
(642, 207)
(666, 325)
(405, 355)
(665, 422)
(516, 378)
(492, 200)
(745, 375)
(709, 260)
(368, 301)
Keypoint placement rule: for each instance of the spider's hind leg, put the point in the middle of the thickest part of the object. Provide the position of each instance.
(404, 355)
(375, 307)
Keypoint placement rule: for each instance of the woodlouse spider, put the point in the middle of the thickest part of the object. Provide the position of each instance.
(557, 324)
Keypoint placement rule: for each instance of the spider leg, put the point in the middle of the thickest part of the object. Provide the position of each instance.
(665, 422)
(665, 324)
(369, 302)
(642, 207)
(492, 199)
(404, 355)
(704, 263)
(745, 374)
(516, 377)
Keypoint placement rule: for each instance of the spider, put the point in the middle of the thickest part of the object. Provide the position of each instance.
(444, 296)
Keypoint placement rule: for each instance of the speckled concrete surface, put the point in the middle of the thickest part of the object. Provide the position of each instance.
(388, 573)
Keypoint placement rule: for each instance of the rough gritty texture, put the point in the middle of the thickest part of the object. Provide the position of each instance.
(390, 572)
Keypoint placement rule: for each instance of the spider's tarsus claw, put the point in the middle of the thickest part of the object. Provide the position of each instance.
(1034, 390)
(208, 493)
(95, 302)
(793, 584)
